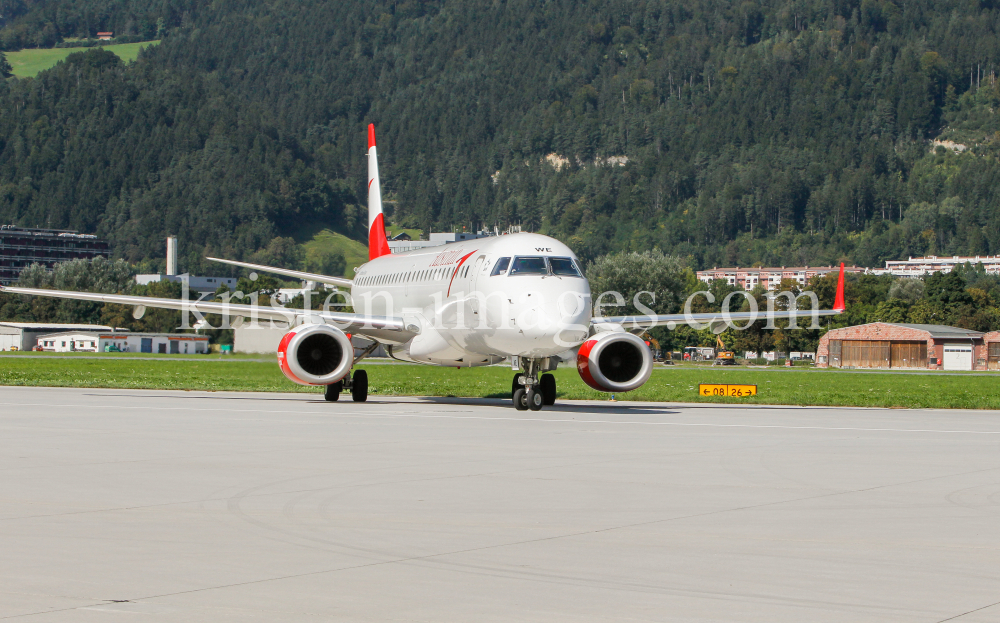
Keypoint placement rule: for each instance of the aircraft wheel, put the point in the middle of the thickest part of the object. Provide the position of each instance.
(514, 385)
(548, 387)
(332, 392)
(535, 399)
(520, 399)
(359, 388)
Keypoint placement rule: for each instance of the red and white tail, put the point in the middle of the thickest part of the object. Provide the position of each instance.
(378, 245)
(838, 303)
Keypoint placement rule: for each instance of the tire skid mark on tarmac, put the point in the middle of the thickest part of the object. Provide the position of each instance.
(640, 587)
(532, 541)
(326, 543)
(983, 503)
(436, 558)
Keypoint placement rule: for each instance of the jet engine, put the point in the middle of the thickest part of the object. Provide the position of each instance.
(315, 354)
(614, 362)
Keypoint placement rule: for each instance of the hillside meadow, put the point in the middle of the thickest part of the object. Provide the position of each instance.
(27, 63)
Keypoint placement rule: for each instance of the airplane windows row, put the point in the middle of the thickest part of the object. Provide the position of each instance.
(557, 266)
(434, 274)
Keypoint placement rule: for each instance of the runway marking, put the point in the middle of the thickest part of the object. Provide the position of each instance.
(529, 419)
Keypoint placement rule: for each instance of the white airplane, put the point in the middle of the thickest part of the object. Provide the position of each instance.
(519, 297)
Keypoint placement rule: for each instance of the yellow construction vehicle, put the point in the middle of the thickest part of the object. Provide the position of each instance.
(723, 357)
(654, 346)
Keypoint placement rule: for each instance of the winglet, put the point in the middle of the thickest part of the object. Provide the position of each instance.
(838, 303)
(378, 245)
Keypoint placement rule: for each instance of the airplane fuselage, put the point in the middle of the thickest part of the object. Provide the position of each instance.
(476, 302)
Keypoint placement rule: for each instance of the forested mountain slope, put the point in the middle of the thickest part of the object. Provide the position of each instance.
(775, 132)
(44, 23)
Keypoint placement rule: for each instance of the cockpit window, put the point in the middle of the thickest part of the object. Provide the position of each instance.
(529, 266)
(563, 266)
(501, 266)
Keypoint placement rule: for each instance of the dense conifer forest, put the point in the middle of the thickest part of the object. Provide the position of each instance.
(781, 132)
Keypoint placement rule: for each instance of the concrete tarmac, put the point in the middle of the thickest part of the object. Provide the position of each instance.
(189, 506)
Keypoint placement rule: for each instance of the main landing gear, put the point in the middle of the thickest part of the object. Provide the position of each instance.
(358, 386)
(530, 390)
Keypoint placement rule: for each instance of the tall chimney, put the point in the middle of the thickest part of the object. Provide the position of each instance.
(172, 255)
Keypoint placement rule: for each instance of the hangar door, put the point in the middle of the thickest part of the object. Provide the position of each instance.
(908, 354)
(958, 356)
(878, 354)
(864, 353)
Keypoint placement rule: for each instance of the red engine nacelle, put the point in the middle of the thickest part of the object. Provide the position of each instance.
(315, 354)
(614, 362)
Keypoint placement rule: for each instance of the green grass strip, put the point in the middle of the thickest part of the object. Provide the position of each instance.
(668, 384)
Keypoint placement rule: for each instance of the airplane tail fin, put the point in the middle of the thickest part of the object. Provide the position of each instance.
(378, 245)
(838, 302)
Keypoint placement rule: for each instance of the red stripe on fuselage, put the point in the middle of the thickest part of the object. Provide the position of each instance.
(454, 274)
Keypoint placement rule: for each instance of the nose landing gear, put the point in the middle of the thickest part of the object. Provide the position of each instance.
(532, 390)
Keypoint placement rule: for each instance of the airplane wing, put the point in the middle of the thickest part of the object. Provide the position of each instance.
(294, 274)
(715, 320)
(718, 321)
(379, 328)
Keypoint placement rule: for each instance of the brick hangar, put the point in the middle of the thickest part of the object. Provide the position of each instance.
(915, 346)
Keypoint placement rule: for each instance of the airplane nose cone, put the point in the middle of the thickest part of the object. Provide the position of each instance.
(554, 319)
(574, 320)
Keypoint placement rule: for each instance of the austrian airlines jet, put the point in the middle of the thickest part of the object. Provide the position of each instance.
(521, 298)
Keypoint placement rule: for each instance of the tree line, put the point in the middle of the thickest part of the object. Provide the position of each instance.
(967, 297)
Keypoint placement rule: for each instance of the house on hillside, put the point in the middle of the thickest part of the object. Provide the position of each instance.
(105, 36)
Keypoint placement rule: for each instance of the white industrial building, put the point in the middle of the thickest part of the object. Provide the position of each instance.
(24, 335)
(770, 278)
(920, 266)
(123, 341)
(195, 284)
(401, 244)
